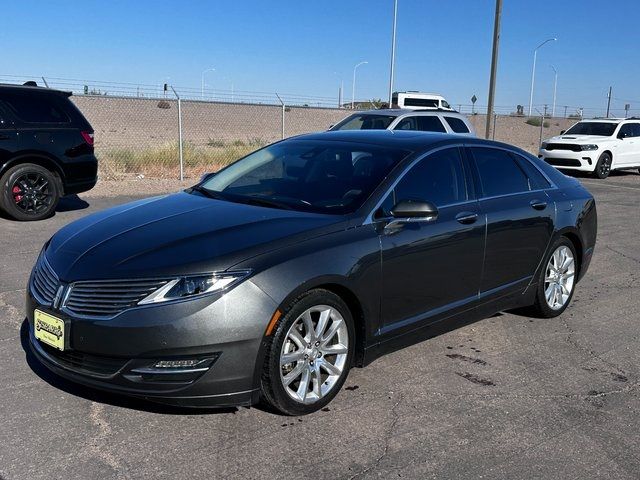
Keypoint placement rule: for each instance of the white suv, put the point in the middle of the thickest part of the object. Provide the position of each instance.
(597, 146)
(404, 119)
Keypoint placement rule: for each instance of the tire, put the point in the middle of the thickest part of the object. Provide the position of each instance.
(566, 284)
(29, 192)
(303, 394)
(603, 167)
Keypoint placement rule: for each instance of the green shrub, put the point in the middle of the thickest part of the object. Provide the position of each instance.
(535, 122)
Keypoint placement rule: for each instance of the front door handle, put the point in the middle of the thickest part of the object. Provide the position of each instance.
(467, 218)
(538, 204)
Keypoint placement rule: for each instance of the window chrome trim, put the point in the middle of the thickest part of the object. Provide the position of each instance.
(369, 218)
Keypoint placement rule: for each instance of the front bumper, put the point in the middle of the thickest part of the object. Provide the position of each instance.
(119, 355)
(569, 160)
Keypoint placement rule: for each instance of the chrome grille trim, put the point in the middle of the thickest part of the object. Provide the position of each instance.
(108, 298)
(44, 282)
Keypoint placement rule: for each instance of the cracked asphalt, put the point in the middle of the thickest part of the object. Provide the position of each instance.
(506, 397)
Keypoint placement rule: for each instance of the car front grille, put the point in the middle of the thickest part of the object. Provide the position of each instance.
(563, 146)
(98, 366)
(108, 298)
(563, 162)
(45, 282)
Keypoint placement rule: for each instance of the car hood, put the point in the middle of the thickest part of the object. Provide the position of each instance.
(579, 139)
(175, 235)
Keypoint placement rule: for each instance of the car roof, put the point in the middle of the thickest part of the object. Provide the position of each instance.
(410, 139)
(396, 112)
(600, 120)
(31, 88)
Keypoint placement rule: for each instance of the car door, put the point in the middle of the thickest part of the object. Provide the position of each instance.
(519, 217)
(627, 146)
(8, 135)
(430, 268)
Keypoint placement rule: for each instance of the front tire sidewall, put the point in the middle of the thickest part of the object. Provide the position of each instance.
(7, 202)
(605, 157)
(542, 308)
(272, 389)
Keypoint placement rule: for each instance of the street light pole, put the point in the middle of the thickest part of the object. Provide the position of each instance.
(494, 67)
(533, 72)
(555, 88)
(393, 50)
(202, 78)
(353, 84)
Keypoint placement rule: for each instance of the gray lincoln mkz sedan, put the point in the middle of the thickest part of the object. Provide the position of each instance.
(271, 278)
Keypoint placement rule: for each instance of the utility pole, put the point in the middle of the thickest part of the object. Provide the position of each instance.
(565, 111)
(533, 71)
(609, 102)
(494, 65)
(393, 49)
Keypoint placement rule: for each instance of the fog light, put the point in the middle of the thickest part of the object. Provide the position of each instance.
(178, 363)
(587, 159)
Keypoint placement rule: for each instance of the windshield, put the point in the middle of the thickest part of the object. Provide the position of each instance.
(322, 177)
(360, 121)
(603, 129)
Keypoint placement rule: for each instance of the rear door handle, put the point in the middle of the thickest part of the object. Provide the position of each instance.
(467, 218)
(4, 137)
(538, 204)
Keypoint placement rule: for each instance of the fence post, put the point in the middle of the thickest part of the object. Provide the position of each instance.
(283, 109)
(179, 133)
(495, 119)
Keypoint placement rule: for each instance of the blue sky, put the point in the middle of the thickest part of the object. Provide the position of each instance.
(296, 46)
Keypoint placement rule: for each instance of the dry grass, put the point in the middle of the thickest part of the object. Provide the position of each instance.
(164, 161)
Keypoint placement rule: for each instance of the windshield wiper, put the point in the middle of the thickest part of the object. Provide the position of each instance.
(209, 193)
(263, 202)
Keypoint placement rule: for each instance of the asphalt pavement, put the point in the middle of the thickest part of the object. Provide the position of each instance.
(507, 397)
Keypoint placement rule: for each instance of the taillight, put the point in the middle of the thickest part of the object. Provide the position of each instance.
(88, 137)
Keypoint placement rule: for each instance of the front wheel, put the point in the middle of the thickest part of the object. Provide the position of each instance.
(309, 355)
(557, 280)
(29, 192)
(603, 167)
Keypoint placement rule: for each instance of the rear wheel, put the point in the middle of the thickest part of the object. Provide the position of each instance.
(603, 167)
(309, 355)
(29, 192)
(557, 279)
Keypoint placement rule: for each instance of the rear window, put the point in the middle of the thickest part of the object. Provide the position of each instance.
(537, 181)
(365, 122)
(457, 125)
(424, 123)
(420, 102)
(35, 107)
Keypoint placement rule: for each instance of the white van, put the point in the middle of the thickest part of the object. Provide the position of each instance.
(419, 101)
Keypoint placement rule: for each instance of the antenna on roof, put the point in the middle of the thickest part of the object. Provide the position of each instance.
(45, 82)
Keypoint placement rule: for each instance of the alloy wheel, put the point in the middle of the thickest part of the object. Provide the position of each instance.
(32, 193)
(314, 354)
(559, 277)
(605, 167)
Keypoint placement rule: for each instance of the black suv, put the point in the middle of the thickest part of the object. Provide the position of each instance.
(46, 150)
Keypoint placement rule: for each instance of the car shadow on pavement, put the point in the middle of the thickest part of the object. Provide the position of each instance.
(99, 396)
(70, 203)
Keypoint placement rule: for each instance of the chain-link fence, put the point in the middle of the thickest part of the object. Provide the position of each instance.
(141, 136)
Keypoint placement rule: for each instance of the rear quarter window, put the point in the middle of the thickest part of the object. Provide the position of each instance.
(35, 107)
(457, 125)
(537, 180)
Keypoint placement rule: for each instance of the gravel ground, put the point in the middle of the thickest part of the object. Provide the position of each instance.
(507, 397)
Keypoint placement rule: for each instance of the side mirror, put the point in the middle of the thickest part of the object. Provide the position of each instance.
(330, 127)
(407, 211)
(622, 135)
(562, 132)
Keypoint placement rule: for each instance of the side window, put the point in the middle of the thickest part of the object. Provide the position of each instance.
(537, 180)
(626, 131)
(499, 173)
(35, 108)
(635, 129)
(430, 123)
(457, 125)
(438, 178)
(408, 123)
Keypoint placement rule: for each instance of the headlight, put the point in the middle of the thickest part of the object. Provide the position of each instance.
(543, 145)
(588, 147)
(194, 285)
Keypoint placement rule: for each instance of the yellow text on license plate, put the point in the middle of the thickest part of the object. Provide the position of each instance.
(49, 329)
